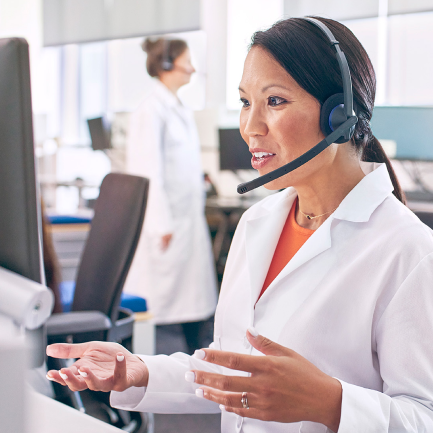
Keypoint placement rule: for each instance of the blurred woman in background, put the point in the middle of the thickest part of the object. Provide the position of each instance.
(173, 266)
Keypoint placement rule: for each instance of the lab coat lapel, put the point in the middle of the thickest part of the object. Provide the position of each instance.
(262, 235)
(318, 242)
(173, 103)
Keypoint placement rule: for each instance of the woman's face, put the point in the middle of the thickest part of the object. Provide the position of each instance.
(279, 120)
(183, 68)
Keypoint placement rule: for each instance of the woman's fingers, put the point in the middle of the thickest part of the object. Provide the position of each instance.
(228, 399)
(74, 381)
(95, 383)
(68, 377)
(119, 376)
(221, 382)
(247, 413)
(232, 360)
(63, 350)
(232, 402)
(78, 379)
(54, 376)
(116, 382)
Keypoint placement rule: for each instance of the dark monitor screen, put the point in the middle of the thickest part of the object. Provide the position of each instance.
(20, 244)
(20, 228)
(234, 153)
(99, 133)
(408, 131)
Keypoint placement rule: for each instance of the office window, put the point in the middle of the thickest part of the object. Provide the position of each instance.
(410, 59)
(92, 85)
(405, 6)
(244, 17)
(336, 9)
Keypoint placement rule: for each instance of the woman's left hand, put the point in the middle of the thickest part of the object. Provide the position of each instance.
(283, 386)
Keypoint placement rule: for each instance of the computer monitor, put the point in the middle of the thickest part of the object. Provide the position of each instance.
(406, 132)
(20, 223)
(99, 133)
(20, 219)
(234, 153)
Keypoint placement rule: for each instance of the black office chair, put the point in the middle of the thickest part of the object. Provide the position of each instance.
(95, 313)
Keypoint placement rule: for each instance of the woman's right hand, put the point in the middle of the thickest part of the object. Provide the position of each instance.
(101, 366)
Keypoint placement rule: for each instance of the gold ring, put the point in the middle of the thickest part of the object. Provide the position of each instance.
(244, 401)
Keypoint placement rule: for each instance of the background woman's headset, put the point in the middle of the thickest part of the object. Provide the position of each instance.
(167, 62)
(337, 119)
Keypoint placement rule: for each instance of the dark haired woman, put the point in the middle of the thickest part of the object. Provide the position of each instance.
(173, 267)
(330, 279)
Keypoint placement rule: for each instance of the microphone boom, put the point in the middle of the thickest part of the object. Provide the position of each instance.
(301, 160)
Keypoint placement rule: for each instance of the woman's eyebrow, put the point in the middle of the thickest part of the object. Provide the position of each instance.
(274, 85)
(268, 87)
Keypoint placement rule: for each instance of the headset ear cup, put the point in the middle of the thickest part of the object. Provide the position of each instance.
(332, 115)
(167, 66)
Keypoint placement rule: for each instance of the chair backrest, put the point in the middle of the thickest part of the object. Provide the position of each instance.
(111, 244)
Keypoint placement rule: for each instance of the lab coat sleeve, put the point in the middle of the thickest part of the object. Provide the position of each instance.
(146, 158)
(404, 337)
(167, 390)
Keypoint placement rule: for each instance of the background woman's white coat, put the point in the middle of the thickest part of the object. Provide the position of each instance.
(178, 283)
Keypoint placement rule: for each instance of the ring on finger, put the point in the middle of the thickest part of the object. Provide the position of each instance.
(244, 400)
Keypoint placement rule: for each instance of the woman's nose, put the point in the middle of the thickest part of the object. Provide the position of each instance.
(255, 124)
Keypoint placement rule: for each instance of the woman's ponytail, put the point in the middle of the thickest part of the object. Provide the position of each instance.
(373, 152)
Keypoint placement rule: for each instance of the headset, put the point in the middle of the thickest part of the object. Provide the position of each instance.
(337, 118)
(167, 63)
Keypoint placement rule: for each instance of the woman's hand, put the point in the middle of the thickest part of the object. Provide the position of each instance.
(283, 386)
(101, 366)
(165, 241)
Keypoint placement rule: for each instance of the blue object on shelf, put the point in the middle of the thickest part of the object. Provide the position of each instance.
(68, 219)
(134, 303)
(67, 290)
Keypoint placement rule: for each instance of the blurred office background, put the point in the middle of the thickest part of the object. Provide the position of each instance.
(87, 63)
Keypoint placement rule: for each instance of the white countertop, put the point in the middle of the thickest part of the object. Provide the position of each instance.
(50, 416)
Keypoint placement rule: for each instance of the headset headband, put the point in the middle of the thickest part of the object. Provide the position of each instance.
(344, 128)
(342, 63)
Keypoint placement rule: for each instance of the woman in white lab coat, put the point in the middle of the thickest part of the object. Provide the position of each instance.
(345, 327)
(173, 267)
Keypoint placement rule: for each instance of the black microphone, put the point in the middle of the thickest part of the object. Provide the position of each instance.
(301, 160)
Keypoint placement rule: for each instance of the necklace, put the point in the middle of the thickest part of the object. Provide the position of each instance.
(309, 217)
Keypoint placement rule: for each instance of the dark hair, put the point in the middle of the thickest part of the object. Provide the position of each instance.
(161, 50)
(306, 54)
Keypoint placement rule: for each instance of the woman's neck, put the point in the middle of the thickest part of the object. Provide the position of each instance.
(171, 85)
(324, 193)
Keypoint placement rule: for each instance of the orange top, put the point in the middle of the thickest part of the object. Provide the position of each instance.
(291, 240)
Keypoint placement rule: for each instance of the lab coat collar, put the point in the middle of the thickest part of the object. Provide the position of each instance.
(262, 235)
(264, 228)
(161, 90)
(357, 206)
(367, 195)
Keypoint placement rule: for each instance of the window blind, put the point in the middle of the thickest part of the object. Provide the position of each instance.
(75, 21)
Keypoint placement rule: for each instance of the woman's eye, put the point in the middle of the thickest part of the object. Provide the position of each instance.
(273, 101)
(245, 103)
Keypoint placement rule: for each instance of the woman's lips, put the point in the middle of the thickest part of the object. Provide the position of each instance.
(260, 159)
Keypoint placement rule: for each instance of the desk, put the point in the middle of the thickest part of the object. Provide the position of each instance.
(50, 416)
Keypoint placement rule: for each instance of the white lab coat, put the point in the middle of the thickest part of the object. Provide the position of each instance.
(356, 300)
(179, 284)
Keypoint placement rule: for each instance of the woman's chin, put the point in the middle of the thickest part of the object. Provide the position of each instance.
(276, 185)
